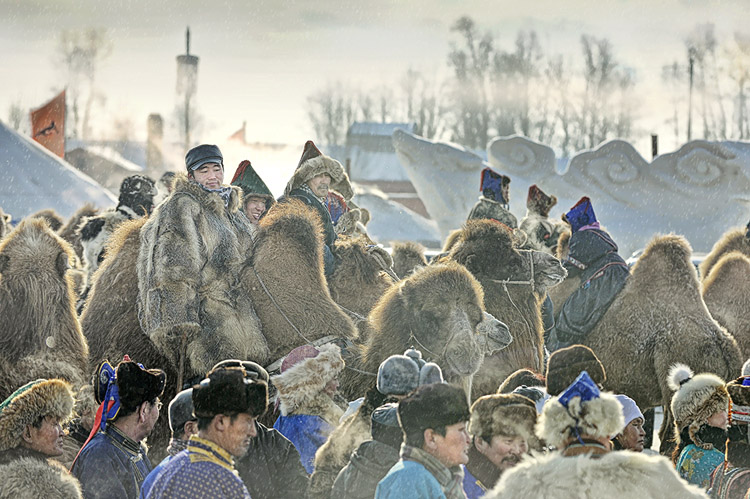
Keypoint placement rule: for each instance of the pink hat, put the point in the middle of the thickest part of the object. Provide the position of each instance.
(297, 355)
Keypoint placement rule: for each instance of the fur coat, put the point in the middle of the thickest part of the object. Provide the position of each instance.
(27, 474)
(193, 266)
(621, 474)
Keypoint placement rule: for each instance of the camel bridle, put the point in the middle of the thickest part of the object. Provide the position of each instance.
(529, 282)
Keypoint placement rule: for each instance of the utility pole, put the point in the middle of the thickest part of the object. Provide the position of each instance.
(187, 81)
(691, 57)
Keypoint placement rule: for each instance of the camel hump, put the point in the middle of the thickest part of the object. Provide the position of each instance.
(407, 255)
(667, 258)
(732, 240)
(294, 220)
(34, 241)
(678, 374)
(732, 267)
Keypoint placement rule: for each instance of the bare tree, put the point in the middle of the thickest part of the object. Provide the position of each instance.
(738, 56)
(79, 55)
(15, 116)
(673, 76)
(421, 102)
(331, 111)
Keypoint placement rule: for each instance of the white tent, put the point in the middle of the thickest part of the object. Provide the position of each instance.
(32, 178)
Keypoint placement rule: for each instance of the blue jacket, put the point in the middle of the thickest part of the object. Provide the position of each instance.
(149, 481)
(472, 487)
(307, 433)
(409, 480)
(111, 465)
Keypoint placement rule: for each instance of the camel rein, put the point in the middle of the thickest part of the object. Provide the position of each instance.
(530, 283)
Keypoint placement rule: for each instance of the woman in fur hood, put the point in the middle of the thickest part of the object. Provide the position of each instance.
(306, 386)
(579, 423)
(30, 435)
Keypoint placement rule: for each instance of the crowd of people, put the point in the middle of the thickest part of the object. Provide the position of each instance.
(237, 431)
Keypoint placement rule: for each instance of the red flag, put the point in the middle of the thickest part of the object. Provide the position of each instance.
(48, 125)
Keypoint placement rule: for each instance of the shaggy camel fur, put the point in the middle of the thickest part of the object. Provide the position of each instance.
(288, 266)
(69, 231)
(732, 240)
(488, 251)
(41, 335)
(726, 292)
(657, 320)
(110, 320)
(359, 279)
(5, 227)
(54, 220)
(407, 256)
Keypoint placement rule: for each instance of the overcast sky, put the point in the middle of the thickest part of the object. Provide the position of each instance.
(260, 60)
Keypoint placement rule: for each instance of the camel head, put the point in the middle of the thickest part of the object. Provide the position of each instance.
(439, 310)
(547, 270)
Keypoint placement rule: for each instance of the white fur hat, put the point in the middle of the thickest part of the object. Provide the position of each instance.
(303, 381)
(595, 414)
(746, 368)
(696, 398)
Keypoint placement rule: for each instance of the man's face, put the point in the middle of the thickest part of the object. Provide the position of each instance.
(237, 434)
(152, 415)
(47, 439)
(319, 184)
(503, 451)
(633, 435)
(210, 175)
(453, 448)
(254, 207)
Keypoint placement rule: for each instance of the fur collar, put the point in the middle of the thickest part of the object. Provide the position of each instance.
(184, 186)
(301, 385)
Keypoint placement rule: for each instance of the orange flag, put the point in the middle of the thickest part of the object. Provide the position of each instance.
(48, 125)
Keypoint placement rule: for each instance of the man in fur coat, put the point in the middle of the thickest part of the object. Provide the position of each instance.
(194, 258)
(592, 256)
(493, 203)
(31, 437)
(579, 424)
(315, 175)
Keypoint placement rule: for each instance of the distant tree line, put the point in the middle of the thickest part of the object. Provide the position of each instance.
(494, 91)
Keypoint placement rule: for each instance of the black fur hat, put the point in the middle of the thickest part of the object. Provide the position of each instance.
(137, 385)
(227, 390)
(432, 406)
(137, 193)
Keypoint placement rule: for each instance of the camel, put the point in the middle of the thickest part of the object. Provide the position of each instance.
(732, 240)
(542, 232)
(41, 334)
(438, 309)
(69, 230)
(726, 292)
(287, 284)
(658, 320)
(407, 256)
(53, 219)
(361, 275)
(489, 252)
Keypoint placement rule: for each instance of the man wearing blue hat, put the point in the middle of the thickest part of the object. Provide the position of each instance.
(592, 256)
(195, 248)
(579, 424)
(493, 203)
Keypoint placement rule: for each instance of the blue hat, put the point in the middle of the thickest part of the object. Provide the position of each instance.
(492, 184)
(583, 387)
(202, 154)
(581, 215)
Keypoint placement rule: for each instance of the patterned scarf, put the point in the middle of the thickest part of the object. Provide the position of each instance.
(307, 189)
(450, 479)
(225, 192)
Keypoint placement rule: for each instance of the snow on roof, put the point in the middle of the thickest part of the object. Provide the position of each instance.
(35, 179)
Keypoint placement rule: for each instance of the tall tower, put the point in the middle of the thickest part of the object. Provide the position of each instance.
(187, 81)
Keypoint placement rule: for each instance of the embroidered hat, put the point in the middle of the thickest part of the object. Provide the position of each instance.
(581, 215)
(491, 185)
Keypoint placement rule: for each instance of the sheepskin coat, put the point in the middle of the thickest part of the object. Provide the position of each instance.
(622, 474)
(27, 474)
(193, 264)
(490, 209)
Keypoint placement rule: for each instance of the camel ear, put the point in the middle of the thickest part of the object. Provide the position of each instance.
(4, 259)
(62, 264)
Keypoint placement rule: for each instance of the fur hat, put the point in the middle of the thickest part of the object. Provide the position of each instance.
(252, 370)
(251, 184)
(202, 154)
(539, 202)
(135, 384)
(491, 185)
(228, 391)
(400, 374)
(312, 163)
(300, 382)
(630, 409)
(580, 410)
(43, 397)
(432, 406)
(564, 366)
(696, 398)
(508, 414)
(580, 215)
(137, 194)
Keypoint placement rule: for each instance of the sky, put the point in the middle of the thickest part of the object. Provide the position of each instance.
(259, 60)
